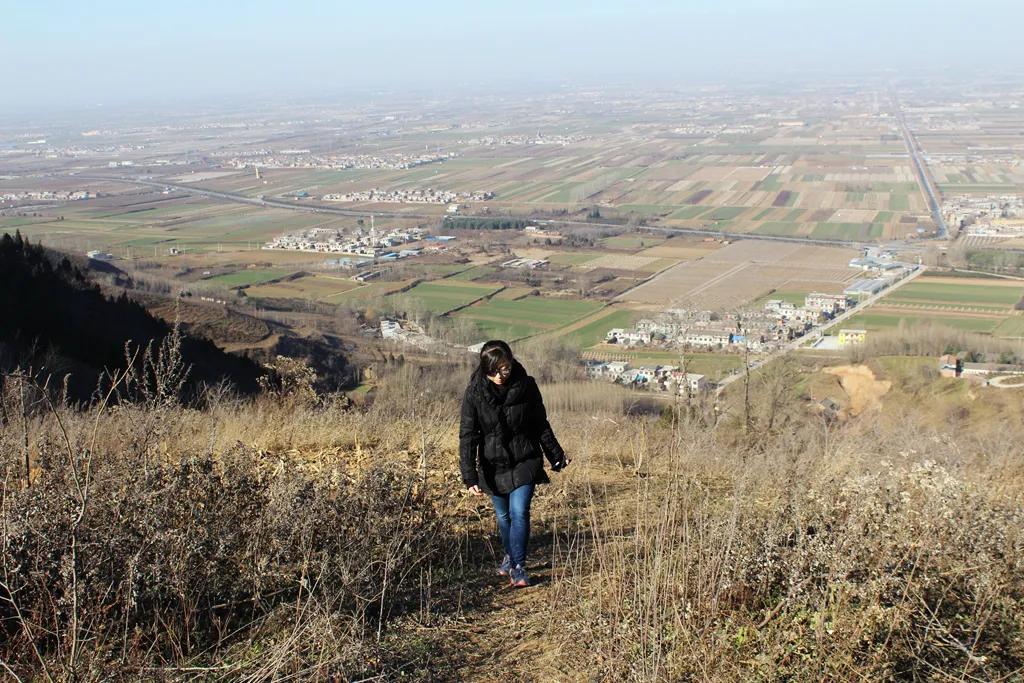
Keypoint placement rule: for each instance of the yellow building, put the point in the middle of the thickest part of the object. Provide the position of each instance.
(852, 336)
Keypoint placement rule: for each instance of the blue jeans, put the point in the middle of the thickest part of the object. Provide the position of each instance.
(513, 513)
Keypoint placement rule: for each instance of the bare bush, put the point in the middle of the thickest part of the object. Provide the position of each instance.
(818, 557)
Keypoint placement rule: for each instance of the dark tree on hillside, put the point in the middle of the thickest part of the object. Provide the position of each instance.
(58, 322)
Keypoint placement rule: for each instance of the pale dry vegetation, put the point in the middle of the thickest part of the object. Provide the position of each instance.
(847, 554)
(297, 537)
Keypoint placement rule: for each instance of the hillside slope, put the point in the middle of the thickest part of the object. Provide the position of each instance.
(56, 321)
(280, 539)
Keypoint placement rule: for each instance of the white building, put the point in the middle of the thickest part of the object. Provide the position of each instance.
(707, 337)
(689, 382)
(826, 303)
(390, 329)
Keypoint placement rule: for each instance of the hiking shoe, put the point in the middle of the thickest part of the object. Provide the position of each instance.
(517, 576)
(505, 567)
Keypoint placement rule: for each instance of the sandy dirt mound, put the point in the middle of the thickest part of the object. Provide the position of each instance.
(861, 386)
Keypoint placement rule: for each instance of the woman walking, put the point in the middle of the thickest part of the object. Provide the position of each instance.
(503, 434)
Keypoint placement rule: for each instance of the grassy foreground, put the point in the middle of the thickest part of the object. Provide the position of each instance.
(293, 539)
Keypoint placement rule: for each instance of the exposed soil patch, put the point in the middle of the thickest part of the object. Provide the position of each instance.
(864, 390)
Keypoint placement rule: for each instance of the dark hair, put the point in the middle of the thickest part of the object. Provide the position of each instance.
(493, 355)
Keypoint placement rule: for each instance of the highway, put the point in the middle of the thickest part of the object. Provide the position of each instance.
(923, 177)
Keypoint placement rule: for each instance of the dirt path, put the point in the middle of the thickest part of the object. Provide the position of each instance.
(1007, 382)
(507, 634)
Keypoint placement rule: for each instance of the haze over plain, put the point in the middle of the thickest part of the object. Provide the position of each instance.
(59, 54)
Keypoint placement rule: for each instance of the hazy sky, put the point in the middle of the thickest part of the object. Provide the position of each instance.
(54, 53)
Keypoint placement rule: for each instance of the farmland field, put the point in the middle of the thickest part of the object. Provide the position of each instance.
(573, 257)
(443, 296)
(631, 241)
(626, 262)
(524, 317)
(247, 277)
(472, 273)
(796, 296)
(154, 226)
(365, 292)
(743, 272)
(984, 305)
(769, 179)
(593, 329)
(883, 321)
(316, 287)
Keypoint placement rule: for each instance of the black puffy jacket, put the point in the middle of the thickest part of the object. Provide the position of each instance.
(501, 443)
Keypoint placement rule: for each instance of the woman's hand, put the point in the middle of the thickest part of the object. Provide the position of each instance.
(475, 490)
(561, 464)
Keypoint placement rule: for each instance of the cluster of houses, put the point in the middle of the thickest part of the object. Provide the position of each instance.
(669, 378)
(372, 242)
(778, 322)
(538, 139)
(302, 158)
(47, 196)
(989, 215)
(418, 196)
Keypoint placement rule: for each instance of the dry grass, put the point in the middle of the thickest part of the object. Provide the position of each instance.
(296, 539)
(823, 556)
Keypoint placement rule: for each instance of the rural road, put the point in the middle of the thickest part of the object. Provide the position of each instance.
(1006, 382)
(800, 341)
(924, 178)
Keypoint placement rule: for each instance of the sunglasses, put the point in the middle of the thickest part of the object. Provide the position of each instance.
(504, 371)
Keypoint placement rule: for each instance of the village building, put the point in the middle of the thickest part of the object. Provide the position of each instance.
(707, 338)
(851, 336)
(826, 303)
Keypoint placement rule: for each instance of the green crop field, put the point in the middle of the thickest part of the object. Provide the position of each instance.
(884, 321)
(1012, 328)
(444, 295)
(473, 272)
(688, 212)
(573, 258)
(198, 226)
(725, 213)
(247, 277)
(527, 316)
(496, 329)
(595, 331)
(442, 269)
(961, 294)
(971, 304)
(777, 228)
